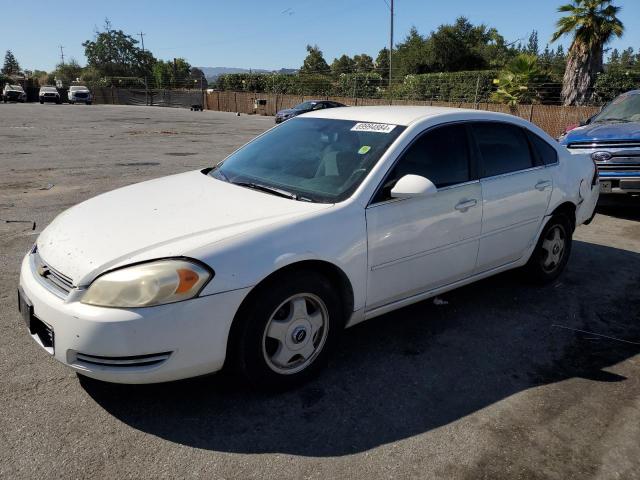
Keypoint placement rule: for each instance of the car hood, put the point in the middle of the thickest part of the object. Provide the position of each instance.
(604, 131)
(160, 218)
(288, 111)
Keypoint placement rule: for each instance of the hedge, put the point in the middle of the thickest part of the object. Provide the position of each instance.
(468, 86)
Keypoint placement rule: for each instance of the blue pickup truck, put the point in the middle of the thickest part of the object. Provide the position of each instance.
(612, 138)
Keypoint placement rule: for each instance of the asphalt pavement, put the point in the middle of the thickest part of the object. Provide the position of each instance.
(502, 379)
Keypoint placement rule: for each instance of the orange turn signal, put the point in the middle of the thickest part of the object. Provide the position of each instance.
(188, 278)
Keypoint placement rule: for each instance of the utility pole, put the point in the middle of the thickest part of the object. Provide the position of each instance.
(61, 54)
(390, 44)
(146, 86)
(142, 40)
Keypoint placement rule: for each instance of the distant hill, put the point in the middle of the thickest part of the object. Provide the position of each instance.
(211, 73)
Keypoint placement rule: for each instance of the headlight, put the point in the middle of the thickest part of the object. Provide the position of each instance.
(148, 284)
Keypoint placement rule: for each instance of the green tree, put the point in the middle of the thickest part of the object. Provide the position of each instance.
(67, 72)
(11, 65)
(516, 81)
(113, 53)
(382, 63)
(344, 64)
(363, 63)
(593, 23)
(533, 46)
(460, 46)
(314, 63)
(173, 73)
(411, 55)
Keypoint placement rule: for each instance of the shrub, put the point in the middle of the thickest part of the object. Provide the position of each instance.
(612, 83)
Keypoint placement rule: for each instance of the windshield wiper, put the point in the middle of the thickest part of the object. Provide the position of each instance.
(268, 189)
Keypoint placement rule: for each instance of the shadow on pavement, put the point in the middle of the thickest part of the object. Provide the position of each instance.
(626, 207)
(412, 370)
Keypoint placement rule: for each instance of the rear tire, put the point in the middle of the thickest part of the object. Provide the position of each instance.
(88, 103)
(283, 334)
(552, 251)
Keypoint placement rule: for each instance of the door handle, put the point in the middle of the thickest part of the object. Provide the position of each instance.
(465, 205)
(542, 185)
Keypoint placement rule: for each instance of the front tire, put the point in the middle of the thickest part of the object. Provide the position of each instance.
(552, 251)
(285, 331)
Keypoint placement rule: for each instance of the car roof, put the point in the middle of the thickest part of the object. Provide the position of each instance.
(400, 115)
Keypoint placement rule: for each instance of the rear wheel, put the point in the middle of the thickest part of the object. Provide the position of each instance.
(285, 331)
(552, 250)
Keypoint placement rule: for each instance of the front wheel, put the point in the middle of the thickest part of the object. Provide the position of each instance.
(552, 250)
(285, 331)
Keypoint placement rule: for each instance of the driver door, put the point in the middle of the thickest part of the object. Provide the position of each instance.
(422, 243)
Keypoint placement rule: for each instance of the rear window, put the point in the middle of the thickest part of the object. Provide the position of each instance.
(504, 148)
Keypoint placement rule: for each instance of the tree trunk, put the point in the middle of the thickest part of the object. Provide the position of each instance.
(582, 66)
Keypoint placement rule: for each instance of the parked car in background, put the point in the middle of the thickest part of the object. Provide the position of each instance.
(49, 94)
(330, 219)
(612, 139)
(80, 94)
(305, 107)
(13, 93)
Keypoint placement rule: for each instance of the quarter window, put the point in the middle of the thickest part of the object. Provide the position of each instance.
(504, 148)
(546, 152)
(441, 155)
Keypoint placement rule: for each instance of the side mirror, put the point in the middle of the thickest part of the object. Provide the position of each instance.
(411, 186)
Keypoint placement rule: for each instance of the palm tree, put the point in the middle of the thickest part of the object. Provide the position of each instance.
(593, 24)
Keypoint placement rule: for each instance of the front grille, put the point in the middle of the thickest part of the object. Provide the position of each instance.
(58, 281)
(606, 144)
(81, 95)
(50, 95)
(618, 167)
(148, 360)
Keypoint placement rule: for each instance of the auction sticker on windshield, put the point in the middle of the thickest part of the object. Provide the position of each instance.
(373, 127)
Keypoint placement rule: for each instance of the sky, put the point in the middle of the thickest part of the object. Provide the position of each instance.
(268, 34)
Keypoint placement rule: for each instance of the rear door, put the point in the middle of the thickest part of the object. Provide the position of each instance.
(516, 188)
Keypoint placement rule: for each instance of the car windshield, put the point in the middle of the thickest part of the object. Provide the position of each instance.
(312, 159)
(305, 106)
(77, 88)
(48, 89)
(625, 108)
(16, 87)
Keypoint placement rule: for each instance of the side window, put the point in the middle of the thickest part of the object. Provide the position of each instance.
(546, 152)
(318, 106)
(504, 148)
(441, 155)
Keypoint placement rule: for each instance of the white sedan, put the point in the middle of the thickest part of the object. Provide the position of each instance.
(329, 219)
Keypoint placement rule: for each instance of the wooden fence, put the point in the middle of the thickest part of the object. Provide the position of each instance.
(551, 118)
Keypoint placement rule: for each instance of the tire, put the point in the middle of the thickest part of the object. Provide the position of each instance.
(88, 103)
(72, 103)
(284, 332)
(41, 102)
(552, 251)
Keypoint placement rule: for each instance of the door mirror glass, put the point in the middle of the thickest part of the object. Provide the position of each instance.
(411, 186)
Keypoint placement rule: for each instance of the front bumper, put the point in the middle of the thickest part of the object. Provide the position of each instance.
(620, 182)
(143, 345)
(50, 99)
